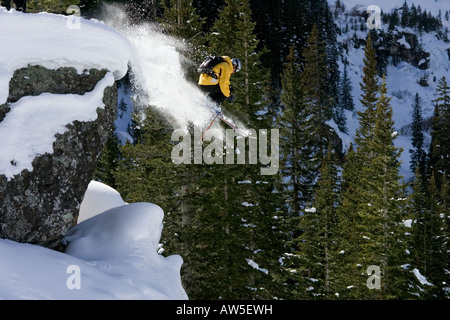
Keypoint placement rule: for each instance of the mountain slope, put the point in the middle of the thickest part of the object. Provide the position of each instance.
(403, 78)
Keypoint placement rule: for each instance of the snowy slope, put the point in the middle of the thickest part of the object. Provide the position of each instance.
(402, 80)
(113, 252)
(432, 6)
(111, 256)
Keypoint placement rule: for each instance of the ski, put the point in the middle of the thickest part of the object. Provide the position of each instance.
(230, 123)
(215, 117)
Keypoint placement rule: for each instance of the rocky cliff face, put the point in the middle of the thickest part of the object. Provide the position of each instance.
(406, 46)
(40, 205)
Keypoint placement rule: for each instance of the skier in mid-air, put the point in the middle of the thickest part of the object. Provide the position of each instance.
(215, 75)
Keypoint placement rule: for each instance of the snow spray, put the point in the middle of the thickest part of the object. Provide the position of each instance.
(156, 72)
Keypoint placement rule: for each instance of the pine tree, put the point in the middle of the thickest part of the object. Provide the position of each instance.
(297, 150)
(270, 28)
(53, 6)
(304, 142)
(181, 19)
(404, 21)
(418, 154)
(439, 161)
(389, 197)
(328, 30)
(346, 97)
(208, 10)
(235, 222)
(108, 162)
(433, 263)
(144, 159)
(435, 225)
(314, 79)
(345, 100)
(316, 243)
(369, 88)
(294, 178)
(316, 99)
(370, 218)
(429, 239)
(233, 35)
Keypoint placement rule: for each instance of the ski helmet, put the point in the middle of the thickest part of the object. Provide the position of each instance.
(236, 64)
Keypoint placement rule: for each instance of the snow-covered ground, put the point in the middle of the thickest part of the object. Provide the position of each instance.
(432, 6)
(113, 252)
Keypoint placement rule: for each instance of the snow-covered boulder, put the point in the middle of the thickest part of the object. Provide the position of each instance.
(112, 255)
(58, 103)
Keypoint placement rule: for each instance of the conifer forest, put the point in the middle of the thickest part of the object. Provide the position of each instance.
(340, 219)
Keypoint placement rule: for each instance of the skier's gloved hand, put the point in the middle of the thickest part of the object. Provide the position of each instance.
(230, 98)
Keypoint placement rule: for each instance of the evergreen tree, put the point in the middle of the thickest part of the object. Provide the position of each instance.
(404, 21)
(428, 245)
(108, 162)
(233, 35)
(314, 79)
(369, 88)
(304, 140)
(434, 262)
(236, 221)
(284, 24)
(147, 159)
(181, 20)
(142, 10)
(371, 214)
(345, 100)
(294, 178)
(436, 223)
(323, 18)
(296, 127)
(208, 10)
(270, 21)
(418, 154)
(319, 222)
(346, 97)
(53, 6)
(440, 140)
(389, 196)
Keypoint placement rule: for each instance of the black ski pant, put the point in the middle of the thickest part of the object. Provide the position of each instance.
(214, 93)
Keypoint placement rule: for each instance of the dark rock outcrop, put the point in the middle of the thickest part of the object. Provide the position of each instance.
(410, 50)
(39, 207)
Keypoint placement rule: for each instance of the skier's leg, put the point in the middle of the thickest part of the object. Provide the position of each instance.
(215, 94)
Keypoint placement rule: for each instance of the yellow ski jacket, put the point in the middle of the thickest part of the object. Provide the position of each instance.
(223, 71)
